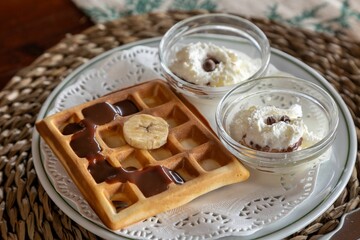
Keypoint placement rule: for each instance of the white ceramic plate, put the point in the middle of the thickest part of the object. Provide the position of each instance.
(332, 178)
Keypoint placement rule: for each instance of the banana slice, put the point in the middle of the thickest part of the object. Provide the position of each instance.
(145, 131)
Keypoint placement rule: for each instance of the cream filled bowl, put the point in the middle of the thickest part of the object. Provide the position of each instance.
(206, 55)
(277, 124)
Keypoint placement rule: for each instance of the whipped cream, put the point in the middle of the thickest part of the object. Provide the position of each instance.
(230, 67)
(269, 128)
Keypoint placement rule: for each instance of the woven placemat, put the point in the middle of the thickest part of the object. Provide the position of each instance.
(26, 212)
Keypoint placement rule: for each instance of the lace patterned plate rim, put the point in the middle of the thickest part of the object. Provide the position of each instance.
(282, 61)
(240, 215)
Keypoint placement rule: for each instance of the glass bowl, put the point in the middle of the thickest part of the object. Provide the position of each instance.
(223, 30)
(319, 114)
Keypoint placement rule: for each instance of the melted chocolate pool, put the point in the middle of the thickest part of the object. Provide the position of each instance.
(102, 113)
(150, 180)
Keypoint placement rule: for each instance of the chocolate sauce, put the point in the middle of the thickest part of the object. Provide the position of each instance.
(72, 128)
(150, 180)
(84, 142)
(101, 170)
(100, 113)
(154, 179)
(126, 107)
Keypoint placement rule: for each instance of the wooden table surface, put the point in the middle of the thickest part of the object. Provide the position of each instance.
(28, 28)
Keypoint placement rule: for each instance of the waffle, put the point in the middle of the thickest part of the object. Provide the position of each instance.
(193, 157)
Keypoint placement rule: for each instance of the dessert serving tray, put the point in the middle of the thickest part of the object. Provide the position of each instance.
(257, 208)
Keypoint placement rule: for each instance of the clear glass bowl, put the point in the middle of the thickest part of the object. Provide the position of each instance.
(320, 115)
(232, 32)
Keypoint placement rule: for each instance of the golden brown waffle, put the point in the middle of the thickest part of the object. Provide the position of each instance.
(192, 152)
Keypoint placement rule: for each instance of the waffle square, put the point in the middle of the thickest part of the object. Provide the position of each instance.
(125, 185)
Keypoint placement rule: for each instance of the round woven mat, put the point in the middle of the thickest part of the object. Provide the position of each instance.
(26, 212)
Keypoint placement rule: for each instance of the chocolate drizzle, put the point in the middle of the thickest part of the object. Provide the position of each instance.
(151, 180)
(102, 113)
(126, 108)
(72, 128)
(84, 142)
